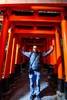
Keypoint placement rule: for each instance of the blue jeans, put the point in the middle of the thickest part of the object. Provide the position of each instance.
(34, 80)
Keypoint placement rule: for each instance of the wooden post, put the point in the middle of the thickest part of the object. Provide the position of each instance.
(64, 37)
(59, 63)
(17, 51)
(53, 54)
(3, 40)
(8, 55)
(12, 62)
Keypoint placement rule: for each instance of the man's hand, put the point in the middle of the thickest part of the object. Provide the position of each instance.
(23, 49)
(52, 47)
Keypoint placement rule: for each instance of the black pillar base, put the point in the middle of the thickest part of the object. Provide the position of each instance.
(4, 85)
(65, 90)
(0, 90)
(11, 80)
(61, 85)
(17, 70)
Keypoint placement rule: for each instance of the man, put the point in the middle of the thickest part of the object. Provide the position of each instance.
(34, 69)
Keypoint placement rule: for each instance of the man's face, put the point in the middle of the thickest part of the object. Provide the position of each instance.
(34, 48)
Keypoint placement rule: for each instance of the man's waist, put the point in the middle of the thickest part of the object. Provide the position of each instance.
(35, 69)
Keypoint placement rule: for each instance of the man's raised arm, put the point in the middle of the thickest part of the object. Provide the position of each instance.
(25, 53)
(48, 51)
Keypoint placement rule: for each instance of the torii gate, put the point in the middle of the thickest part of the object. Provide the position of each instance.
(10, 20)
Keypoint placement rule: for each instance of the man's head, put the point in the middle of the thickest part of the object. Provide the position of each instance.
(35, 48)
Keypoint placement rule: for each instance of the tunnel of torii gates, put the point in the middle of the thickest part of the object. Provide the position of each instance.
(24, 25)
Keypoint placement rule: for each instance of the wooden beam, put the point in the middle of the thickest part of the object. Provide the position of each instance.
(33, 33)
(34, 19)
(51, 6)
(35, 24)
(42, 7)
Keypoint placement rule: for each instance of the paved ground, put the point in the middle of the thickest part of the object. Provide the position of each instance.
(44, 85)
(20, 89)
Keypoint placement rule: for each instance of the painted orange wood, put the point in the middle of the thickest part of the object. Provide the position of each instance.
(64, 37)
(59, 56)
(33, 33)
(8, 55)
(17, 51)
(34, 19)
(12, 62)
(3, 41)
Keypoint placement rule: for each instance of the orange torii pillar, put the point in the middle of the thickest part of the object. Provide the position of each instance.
(17, 51)
(7, 76)
(18, 57)
(53, 68)
(64, 37)
(3, 40)
(59, 63)
(53, 55)
(12, 62)
(8, 54)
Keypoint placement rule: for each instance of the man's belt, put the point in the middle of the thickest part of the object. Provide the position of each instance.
(31, 71)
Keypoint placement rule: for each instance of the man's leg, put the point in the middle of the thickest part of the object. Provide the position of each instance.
(38, 85)
(31, 77)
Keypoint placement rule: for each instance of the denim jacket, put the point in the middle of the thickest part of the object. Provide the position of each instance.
(34, 58)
